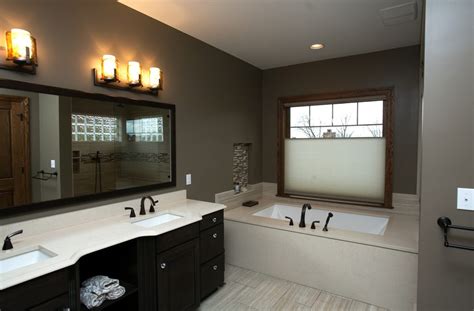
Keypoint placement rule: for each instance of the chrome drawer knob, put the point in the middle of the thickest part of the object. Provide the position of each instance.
(214, 219)
(163, 265)
(214, 268)
(214, 235)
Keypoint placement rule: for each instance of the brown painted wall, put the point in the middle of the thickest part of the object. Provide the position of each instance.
(446, 276)
(398, 68)
(217, 96)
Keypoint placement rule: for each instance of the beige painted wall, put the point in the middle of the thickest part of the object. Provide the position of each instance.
(446, 276)
(217, 96)
(398, 68)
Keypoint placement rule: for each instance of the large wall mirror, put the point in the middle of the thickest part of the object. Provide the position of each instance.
(60, 146)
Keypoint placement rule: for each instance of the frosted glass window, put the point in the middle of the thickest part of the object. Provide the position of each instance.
(343, 168)
(299, 116)
(321, 115)
(345, 114)
(145, 129)
(88, 128)
(371, 112)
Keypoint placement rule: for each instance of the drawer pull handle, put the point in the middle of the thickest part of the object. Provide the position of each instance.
(214, 235)
(163, 266)
(214, 268)
(214, 220)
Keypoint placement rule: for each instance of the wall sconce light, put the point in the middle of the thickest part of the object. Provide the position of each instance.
(109, 68)
(134, 74)
(109, 77)
(21, 51)
(156, 81)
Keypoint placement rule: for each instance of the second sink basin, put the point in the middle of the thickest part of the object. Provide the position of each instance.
(14, 262)
(157, 220)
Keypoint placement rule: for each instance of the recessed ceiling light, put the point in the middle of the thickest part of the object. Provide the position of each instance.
(316, 46)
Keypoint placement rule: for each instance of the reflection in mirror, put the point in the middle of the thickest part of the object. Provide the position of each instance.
(56, 147)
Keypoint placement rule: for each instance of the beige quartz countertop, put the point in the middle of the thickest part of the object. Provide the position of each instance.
(71, 243)
(401, 233)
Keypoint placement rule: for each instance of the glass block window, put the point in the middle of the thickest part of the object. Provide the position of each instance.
(145, 129)
(88, 128)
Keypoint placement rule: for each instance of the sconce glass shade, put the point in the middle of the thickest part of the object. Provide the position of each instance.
(21, 47)
(155, 77)
(134, 73)
(109, 68)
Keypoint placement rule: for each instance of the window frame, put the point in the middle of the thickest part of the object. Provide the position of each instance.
(284, 127)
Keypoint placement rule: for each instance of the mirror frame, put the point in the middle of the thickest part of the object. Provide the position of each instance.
(61, 203)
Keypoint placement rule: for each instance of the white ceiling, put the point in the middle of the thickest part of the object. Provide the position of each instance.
(275, 33)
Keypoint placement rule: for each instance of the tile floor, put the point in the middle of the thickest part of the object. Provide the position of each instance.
(249, 290)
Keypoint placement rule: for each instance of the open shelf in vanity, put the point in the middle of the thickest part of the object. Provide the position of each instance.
(116, 262)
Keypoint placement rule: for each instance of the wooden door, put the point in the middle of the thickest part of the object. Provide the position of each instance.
(178, 277)
(14, 151)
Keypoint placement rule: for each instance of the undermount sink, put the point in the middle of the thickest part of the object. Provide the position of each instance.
(157, 220)
(21, 260)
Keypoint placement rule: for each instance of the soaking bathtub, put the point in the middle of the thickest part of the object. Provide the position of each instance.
(340, 220)
(367, 255)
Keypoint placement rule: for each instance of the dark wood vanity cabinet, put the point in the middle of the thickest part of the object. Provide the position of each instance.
(211, 240)
(51, 292)
(173, 271)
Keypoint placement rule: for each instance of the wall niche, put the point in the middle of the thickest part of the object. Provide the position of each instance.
(241, 164)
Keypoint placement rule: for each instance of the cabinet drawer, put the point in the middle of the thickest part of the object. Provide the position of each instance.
(60, 303)
(212, 275)
(213, 219)
(176, 237)
(35, 292)
(212, 242)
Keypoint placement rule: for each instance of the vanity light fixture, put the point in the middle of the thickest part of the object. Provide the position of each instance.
(109, 77)
(134, 74)
(109, 68)
(156, 80)
(21, 51)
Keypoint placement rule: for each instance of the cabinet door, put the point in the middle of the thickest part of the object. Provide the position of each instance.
(178, 277)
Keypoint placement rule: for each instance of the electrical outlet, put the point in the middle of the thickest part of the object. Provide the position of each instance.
(465, 199)
(53, 163)
(188, 179)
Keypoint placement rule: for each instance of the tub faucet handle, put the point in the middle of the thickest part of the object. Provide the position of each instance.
(313, 226)
(291, 220)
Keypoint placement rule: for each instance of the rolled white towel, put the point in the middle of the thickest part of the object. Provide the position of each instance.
(90, 299)
(116, 293)
(100, 284)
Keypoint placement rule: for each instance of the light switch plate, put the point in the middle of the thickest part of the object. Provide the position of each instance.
(53, 163)
(188, 179)
(465, 199)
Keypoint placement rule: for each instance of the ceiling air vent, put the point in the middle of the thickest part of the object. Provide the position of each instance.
(399, 14)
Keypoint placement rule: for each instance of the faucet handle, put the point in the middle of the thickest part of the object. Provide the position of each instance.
(15, 233)
(7, 244)
(153, 203)
(291, 220)
(132, 212)
(313, 226)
